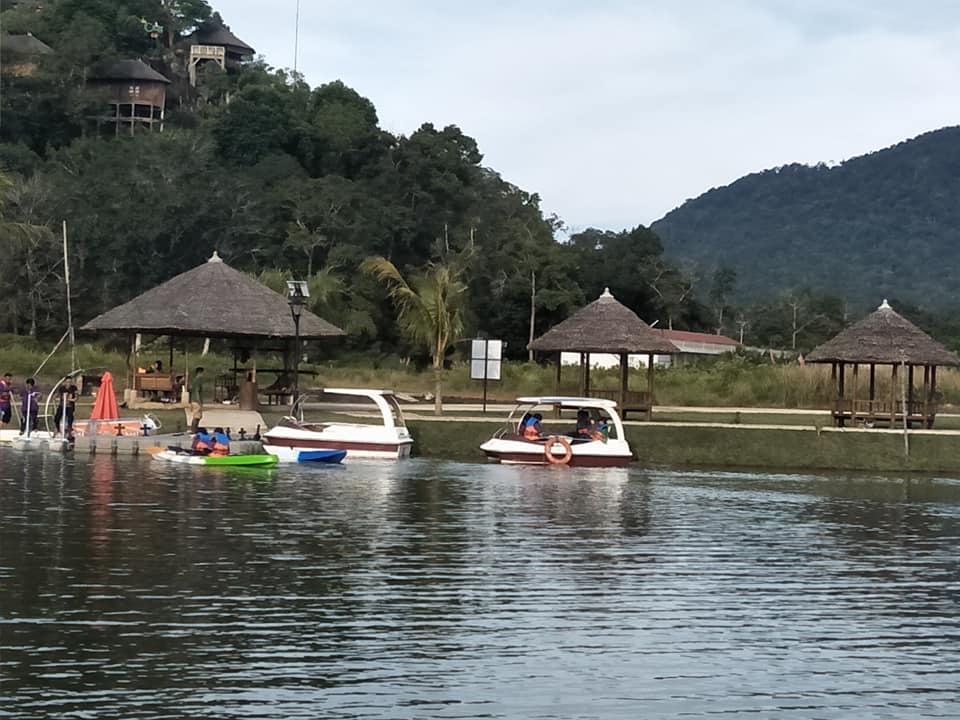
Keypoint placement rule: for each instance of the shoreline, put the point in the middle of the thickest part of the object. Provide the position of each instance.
(784, 446)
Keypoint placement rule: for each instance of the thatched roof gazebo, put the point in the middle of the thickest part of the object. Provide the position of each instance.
(884, 338)
(607, 326)
(212, 300)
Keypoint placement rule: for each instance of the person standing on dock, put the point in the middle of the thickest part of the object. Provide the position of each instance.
(196, 399)
(29, 408)
(66, 410)
(6, 403)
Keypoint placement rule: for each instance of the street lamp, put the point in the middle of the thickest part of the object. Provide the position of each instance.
(297, 294)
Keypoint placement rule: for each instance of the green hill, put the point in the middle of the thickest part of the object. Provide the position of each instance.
(886, 224)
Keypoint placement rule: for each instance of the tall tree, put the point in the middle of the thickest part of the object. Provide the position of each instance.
(721, 289)
(430, 307)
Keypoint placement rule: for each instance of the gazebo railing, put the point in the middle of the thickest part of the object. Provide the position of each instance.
(885, 410)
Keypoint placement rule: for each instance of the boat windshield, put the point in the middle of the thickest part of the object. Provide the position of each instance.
(395, 410)
(556, 420)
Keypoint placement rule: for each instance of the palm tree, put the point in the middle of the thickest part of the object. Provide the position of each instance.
(430, 307)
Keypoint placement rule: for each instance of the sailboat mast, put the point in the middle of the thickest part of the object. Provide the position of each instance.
(66, 278)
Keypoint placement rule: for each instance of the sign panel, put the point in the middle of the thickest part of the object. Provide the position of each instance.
(486, 357)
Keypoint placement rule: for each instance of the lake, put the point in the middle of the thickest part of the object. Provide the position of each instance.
(133, 589)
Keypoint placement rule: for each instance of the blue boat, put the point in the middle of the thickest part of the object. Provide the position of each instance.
(321, 456)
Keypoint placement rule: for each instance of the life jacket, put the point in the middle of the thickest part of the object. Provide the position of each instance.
(530, 432)
(221, 444)
(202, 443)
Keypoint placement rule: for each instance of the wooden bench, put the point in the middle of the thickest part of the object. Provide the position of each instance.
(153, 383)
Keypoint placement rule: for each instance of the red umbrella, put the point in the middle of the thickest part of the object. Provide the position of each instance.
(105, 408)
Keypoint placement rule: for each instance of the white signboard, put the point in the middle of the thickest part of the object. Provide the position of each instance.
(485, 359)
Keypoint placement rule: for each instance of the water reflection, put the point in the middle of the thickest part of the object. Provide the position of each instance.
(426, 589)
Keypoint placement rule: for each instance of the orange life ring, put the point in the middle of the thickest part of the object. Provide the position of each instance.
(554, 459)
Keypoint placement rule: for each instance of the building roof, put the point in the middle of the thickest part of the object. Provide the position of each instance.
(697, 337)
(24, 45)
(884, 337)
(221, 35)
(211, 300)
(128, 70)
(604, 325)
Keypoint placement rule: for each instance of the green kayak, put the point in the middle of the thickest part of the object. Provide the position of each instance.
(218, 460)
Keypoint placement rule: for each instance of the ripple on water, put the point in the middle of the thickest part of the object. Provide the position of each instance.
(446, 590)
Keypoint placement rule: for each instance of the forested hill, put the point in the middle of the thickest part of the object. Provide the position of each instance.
(885, 224)
(279, 177)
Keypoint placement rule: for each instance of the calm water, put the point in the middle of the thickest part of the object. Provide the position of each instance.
(433, 590)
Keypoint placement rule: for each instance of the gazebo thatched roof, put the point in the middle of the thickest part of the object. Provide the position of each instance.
(127, 70)
(884, 338)
(212, 300)
(23, 45)
(213, 34)
(604, 326)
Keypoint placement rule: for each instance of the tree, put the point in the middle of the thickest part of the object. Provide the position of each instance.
(430, 307)
(721, 289)
(32, 262)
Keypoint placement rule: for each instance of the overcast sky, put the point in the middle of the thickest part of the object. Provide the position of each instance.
(616, 111)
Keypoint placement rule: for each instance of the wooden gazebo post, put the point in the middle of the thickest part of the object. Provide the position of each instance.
(624, 378)
(556, 382)
(650, 358)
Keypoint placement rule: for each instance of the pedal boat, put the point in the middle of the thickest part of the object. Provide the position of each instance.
(556, 445)
(387, 440)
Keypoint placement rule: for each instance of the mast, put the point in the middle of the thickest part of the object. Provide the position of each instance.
(66, 278)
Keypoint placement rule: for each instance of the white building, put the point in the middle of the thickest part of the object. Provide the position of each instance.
(689, 344)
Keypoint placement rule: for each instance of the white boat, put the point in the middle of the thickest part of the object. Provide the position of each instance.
(602, 444)
(389, 439)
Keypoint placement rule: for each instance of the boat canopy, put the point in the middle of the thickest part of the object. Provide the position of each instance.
(569, 402)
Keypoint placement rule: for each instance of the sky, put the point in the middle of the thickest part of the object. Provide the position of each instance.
(617, 111)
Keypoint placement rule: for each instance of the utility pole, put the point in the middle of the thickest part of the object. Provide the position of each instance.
(296, 41)
(533, 309)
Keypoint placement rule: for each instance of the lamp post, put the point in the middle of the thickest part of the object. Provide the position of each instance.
(297, 294)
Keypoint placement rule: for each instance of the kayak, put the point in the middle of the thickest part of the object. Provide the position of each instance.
(298, 455)
(321, 456)
(216, 460)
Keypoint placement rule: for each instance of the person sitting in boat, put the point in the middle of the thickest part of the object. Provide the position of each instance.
(202, 442)
(523, 422)
(532, 429)
(586, 428)
(221, 443)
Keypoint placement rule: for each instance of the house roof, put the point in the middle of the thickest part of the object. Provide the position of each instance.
(884, 337)
(221, 35)
(605, 325)
(211, 300)
(24, 45)
(128, 70)
(697, 337)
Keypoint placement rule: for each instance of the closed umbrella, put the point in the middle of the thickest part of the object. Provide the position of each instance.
(105, 408)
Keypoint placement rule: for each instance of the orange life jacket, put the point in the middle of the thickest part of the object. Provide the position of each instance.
(219, 448)
(530, 432)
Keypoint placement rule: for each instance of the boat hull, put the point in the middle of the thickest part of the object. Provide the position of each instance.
(299, 455)
(288, 442)
(259, 460)
(590, 454)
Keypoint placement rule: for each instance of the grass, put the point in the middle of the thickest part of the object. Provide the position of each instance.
(729, 381)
